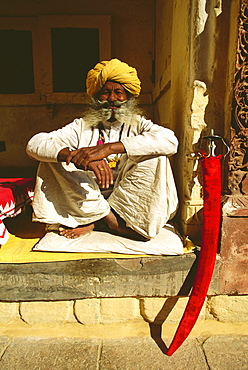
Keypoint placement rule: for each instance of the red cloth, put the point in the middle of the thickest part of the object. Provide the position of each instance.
(15, 190)
(211, 168)
(14, 194)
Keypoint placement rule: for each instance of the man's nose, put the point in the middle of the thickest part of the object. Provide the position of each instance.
(112, 96)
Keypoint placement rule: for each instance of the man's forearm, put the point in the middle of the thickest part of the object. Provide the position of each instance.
(116, 148)
(111, 148)
(63, 154)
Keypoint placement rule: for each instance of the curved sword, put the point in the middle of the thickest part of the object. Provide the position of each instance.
(211, 167)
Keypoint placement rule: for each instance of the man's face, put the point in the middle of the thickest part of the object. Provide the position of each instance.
(112, 91)
(113, 97)
(112, 103)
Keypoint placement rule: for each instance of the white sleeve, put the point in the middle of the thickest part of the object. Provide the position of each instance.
(152, 140)
(46, 146)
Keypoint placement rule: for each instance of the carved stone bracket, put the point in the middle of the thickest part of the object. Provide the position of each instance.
(235, 206)
(238, 164)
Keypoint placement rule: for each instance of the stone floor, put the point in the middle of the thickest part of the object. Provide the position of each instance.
(214, 352)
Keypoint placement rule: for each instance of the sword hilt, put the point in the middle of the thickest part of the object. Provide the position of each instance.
(211, 145)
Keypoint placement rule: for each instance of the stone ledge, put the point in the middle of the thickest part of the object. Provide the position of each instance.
(155, 276)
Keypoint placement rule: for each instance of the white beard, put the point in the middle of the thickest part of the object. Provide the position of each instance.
(99, 111)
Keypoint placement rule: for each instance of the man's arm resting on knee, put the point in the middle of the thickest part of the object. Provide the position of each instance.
(63, 154)
(83, 156)
(93, 159)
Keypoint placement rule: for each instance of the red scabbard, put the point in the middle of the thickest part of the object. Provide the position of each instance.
(211, 170)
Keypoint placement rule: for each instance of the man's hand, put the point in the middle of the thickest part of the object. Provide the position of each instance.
(103, 173)
(92, 159)
(83, 156)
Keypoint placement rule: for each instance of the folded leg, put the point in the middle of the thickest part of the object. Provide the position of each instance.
(145, 195)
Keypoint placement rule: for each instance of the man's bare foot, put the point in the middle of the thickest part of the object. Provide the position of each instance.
(118, 226)
(70, 233)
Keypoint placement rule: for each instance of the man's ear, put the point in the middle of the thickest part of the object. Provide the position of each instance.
(129, 95)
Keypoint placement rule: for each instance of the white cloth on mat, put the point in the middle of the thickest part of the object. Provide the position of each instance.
(167, 242)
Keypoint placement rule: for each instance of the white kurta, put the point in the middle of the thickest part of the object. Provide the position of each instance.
(144, 194)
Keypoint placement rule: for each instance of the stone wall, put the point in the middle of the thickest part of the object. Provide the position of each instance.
(106, 311)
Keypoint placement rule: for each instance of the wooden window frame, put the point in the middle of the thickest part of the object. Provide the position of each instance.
(40, 28)
(23, 24)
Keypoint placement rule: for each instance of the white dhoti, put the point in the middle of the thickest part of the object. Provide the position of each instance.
(67, 196)
(144, 195)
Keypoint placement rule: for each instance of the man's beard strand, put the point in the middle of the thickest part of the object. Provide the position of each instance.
(99, 111)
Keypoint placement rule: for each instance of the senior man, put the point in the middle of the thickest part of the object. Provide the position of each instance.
(113, 149)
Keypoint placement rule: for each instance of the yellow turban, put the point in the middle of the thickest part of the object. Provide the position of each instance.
(113, 70)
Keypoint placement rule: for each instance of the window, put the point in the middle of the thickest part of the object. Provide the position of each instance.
(19, 73)
(45, 59)
(74, 52)
(16, 62)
